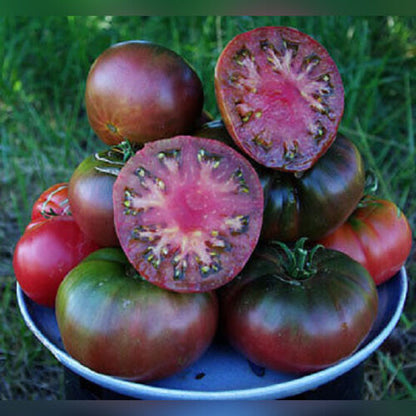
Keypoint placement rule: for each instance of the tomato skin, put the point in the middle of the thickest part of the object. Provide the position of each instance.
(299, 326)
(377, 235)
(51, 202)
(116, 323)
(46, 253)
(140, 91)
(91, 195)
(316, 202)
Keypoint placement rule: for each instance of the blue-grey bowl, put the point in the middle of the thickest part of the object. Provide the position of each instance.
(221, 373)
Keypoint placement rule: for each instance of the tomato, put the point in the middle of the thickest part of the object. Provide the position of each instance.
(316, 202)
(188, 212)
(377, 235)
(300, 312)
(140, 91)
(51, 202)
(91, 195)
(281, 96)
(115, 322)
(45, 253)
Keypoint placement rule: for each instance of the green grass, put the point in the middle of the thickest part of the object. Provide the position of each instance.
(44, 134)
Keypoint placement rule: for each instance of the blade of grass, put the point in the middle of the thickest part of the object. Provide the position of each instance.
(397, 374)
(372, 163)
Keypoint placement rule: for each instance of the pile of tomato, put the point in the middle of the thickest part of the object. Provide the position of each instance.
(257, 225)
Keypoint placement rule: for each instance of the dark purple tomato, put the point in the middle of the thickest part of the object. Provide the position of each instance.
(91, 195)
(300, 316)
(140, 91)
(316, 202)
(116, 323)
(281, 96)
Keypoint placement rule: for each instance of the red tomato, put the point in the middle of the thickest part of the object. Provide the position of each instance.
(51, 202)
(377, 235)
(45, 253)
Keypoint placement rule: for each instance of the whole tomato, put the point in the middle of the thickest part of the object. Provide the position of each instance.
(140, 91)
(45, 253)
(115, 322)
(298, 311)
(91, 194)
(377, 235)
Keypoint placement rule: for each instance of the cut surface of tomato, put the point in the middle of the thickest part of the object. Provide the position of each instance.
(281, 96)
(188, 212)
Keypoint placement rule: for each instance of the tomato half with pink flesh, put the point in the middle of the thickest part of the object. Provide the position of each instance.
(281, 96)
(377, 235)
(188, 212)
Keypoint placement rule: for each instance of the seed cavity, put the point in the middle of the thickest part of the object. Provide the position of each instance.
(209, 158)
(129, 196)
(319, 131)
(326, 79)
(238, 224)
(153, 257)
(160, 247)
(281, 62)
(169, 154)
(290, 150)
(310, 62)
(206, 269)
(244, 111)
(146, 233)
(265, 44)
(180, 266)
(291, 46)
(148, 180)
(238, 177)
(242, 56)
(218, 245)
(171, 159)
(262, 142)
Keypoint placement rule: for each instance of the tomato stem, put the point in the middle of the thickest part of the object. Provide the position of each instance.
(299, 260)
(126, 148)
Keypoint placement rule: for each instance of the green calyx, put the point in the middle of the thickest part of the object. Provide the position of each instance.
(126, 149)
(298, 262)
(110, 161)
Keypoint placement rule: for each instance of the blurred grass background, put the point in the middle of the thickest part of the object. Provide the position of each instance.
(44, 135)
